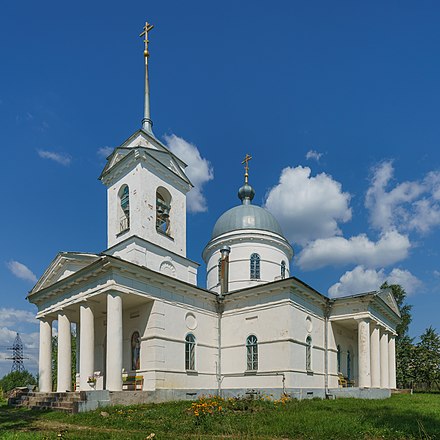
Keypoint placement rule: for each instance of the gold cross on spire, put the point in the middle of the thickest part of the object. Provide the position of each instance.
(147, 28)
(246, 167)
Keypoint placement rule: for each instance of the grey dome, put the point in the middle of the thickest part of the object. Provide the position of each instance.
(246, 216)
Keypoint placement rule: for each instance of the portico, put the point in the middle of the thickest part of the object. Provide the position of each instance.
(375, 352)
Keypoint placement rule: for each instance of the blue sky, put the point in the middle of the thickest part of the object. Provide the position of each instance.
(336, 101)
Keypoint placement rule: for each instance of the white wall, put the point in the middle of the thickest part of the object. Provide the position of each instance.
(270, 247)
(281, 327)
(156, 258)
(143, 182)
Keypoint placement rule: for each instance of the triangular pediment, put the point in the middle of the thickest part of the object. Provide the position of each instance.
(63, 265)
(143, 139)
(386, 295)
(169, 161)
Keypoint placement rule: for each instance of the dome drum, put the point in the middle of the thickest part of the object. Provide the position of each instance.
(259, 251)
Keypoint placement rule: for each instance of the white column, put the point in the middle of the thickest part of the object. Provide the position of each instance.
(64, 379)
(45, 358)
(392, 362)
(375, 357)
(114, 342)
(364, 353)
(86, 346)
(384, 359)
(78, 339)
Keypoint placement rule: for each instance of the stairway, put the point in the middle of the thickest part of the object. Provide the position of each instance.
(67, 402)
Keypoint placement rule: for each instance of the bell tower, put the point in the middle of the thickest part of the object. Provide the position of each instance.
(146, 199)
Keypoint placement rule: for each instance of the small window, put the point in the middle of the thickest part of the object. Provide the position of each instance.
(309, 353)
(135, 351)
(124, 211)
(338, 358)
(255, 267)
(252, 352)
(348, 365)
(190, 352)
(283, 270)
(163, 208)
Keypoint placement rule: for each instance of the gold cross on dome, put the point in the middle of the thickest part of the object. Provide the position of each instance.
(246, 167)
(147, 28)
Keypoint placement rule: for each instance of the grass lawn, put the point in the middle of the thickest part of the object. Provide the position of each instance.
(401, 417)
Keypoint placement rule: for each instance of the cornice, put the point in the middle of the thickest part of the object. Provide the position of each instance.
(247, 235)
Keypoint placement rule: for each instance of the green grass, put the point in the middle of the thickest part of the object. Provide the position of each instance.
(401, 417)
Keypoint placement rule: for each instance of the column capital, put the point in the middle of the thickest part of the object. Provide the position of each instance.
(89, 304)
(68, 313)
(359, 319)
(48, 319)
(385, 331)
(115, 294)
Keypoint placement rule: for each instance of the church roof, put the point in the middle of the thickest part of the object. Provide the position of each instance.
(246, 217)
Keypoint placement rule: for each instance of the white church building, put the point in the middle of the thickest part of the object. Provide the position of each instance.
(143, 324)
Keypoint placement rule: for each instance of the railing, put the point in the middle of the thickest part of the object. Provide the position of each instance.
(124, 224)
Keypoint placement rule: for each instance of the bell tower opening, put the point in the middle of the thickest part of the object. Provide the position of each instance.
(124, 208)
(163, 208)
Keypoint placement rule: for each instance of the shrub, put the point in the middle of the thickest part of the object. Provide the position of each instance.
(17, 379)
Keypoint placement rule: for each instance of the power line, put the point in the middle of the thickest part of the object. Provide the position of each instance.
(17, 355)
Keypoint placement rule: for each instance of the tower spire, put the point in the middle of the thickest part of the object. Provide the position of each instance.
(147, 123)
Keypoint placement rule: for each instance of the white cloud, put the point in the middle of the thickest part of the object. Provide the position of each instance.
(308, 207)
(411, 205)
(405, 278)
(338, 251)
(360, 280)
(104, 152)
(199, 170)
(10, 317)
(21, 271)
(313, 154)
(61, 158)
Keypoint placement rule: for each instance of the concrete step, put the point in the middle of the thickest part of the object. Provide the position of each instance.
(68, 401)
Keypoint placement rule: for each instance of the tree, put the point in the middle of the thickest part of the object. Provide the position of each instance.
(405, 367)
(427, 359)
(17, 379)
(405, 350)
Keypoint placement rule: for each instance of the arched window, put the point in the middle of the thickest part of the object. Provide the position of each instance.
(338, 358)
(252, 352)
(309, 353)
(348, 365)
(124, 211)
(283, 270)
(255, 267)
(135, 351)
(163, 208)
(190, 352)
